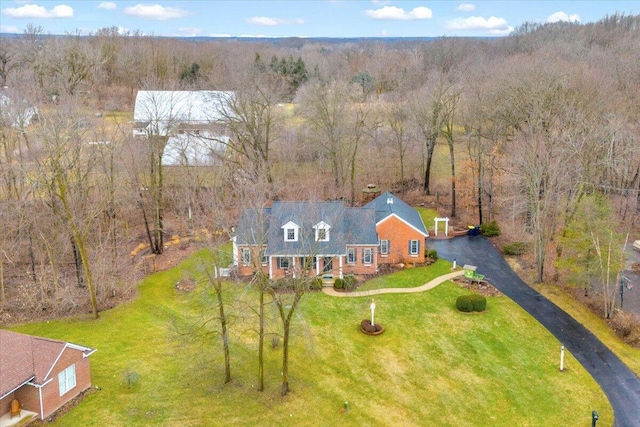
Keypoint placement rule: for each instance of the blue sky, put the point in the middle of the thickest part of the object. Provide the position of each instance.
(301, 18)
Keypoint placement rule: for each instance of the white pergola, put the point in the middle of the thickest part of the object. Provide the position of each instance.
(446, 225)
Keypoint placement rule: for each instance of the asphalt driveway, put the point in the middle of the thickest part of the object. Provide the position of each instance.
(621, 386)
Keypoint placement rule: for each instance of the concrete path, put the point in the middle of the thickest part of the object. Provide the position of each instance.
(430, 285)
(618, 382)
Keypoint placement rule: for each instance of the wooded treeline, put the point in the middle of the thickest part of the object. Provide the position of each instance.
(527, 130)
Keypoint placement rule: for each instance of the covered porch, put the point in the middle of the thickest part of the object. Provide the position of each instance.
(25, 416)
(327, 266)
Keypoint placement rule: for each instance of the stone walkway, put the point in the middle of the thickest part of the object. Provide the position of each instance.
(429, 285)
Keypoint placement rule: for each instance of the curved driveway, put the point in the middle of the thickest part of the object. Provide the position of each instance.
(619, 383)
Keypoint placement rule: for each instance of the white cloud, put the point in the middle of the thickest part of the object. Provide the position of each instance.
(466, 7)
(561, 16)
(107, 5)
(189, 31)
(35, 11)
(501, 32)
(157, 12)
(399, 14)
(264, 20)
(478, 23)
(8, 29)
(272, 22)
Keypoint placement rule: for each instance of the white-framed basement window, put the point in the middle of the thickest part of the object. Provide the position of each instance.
(67, 379)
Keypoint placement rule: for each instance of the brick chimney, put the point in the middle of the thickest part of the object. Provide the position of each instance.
(369, 193)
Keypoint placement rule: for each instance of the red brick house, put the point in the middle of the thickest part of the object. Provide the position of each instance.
(41, 373)
(327, 238)
(401, 230)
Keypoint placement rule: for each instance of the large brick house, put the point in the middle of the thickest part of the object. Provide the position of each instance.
(327, 238)
(40, 373)
(401, 230)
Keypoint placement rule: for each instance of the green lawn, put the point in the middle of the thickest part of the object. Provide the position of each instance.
(432, 366)
(408, 278)
(629, 355)
(427, 216)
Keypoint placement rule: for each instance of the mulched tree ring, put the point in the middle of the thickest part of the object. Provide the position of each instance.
(367, 328)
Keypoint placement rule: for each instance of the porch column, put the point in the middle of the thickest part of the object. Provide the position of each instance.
(293, 267)
(317, 265)
(270, 267)
(340, 266)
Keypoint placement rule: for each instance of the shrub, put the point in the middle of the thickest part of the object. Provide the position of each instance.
(472, 302)
(316, 283)
(491, 229)
(433, 254)
(627, 326)
(515, 248)
(479, 302)
(349, 282)
(131, 377)
(338, 283)
(464, 304)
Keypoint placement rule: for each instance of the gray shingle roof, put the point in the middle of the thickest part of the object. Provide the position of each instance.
(348, 226)
(384, 209)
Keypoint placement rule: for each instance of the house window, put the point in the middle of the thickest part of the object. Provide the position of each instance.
(67, 379)
(351, 255)
(246, 256)
(263, 258)
(414, 247)
(291, 230)
(283, 263)
(384, 247)
(322, 231)
(367, 256)
(309, 262)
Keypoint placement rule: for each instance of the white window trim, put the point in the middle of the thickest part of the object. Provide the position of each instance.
(367, 252)
(64, 378)
(322, 226)
(291, 226)
(417, 251)
(384, 252)
(355, 256)
(246, 260)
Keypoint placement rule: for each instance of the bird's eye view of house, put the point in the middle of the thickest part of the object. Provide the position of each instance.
(39, 375)
(328, 238)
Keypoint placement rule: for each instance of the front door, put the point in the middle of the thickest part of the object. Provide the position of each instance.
(327, 263)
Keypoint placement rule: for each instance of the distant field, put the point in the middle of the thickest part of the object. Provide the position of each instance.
(432, 366)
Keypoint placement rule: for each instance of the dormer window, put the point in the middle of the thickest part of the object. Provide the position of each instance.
(322, 231)
(291, 230)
